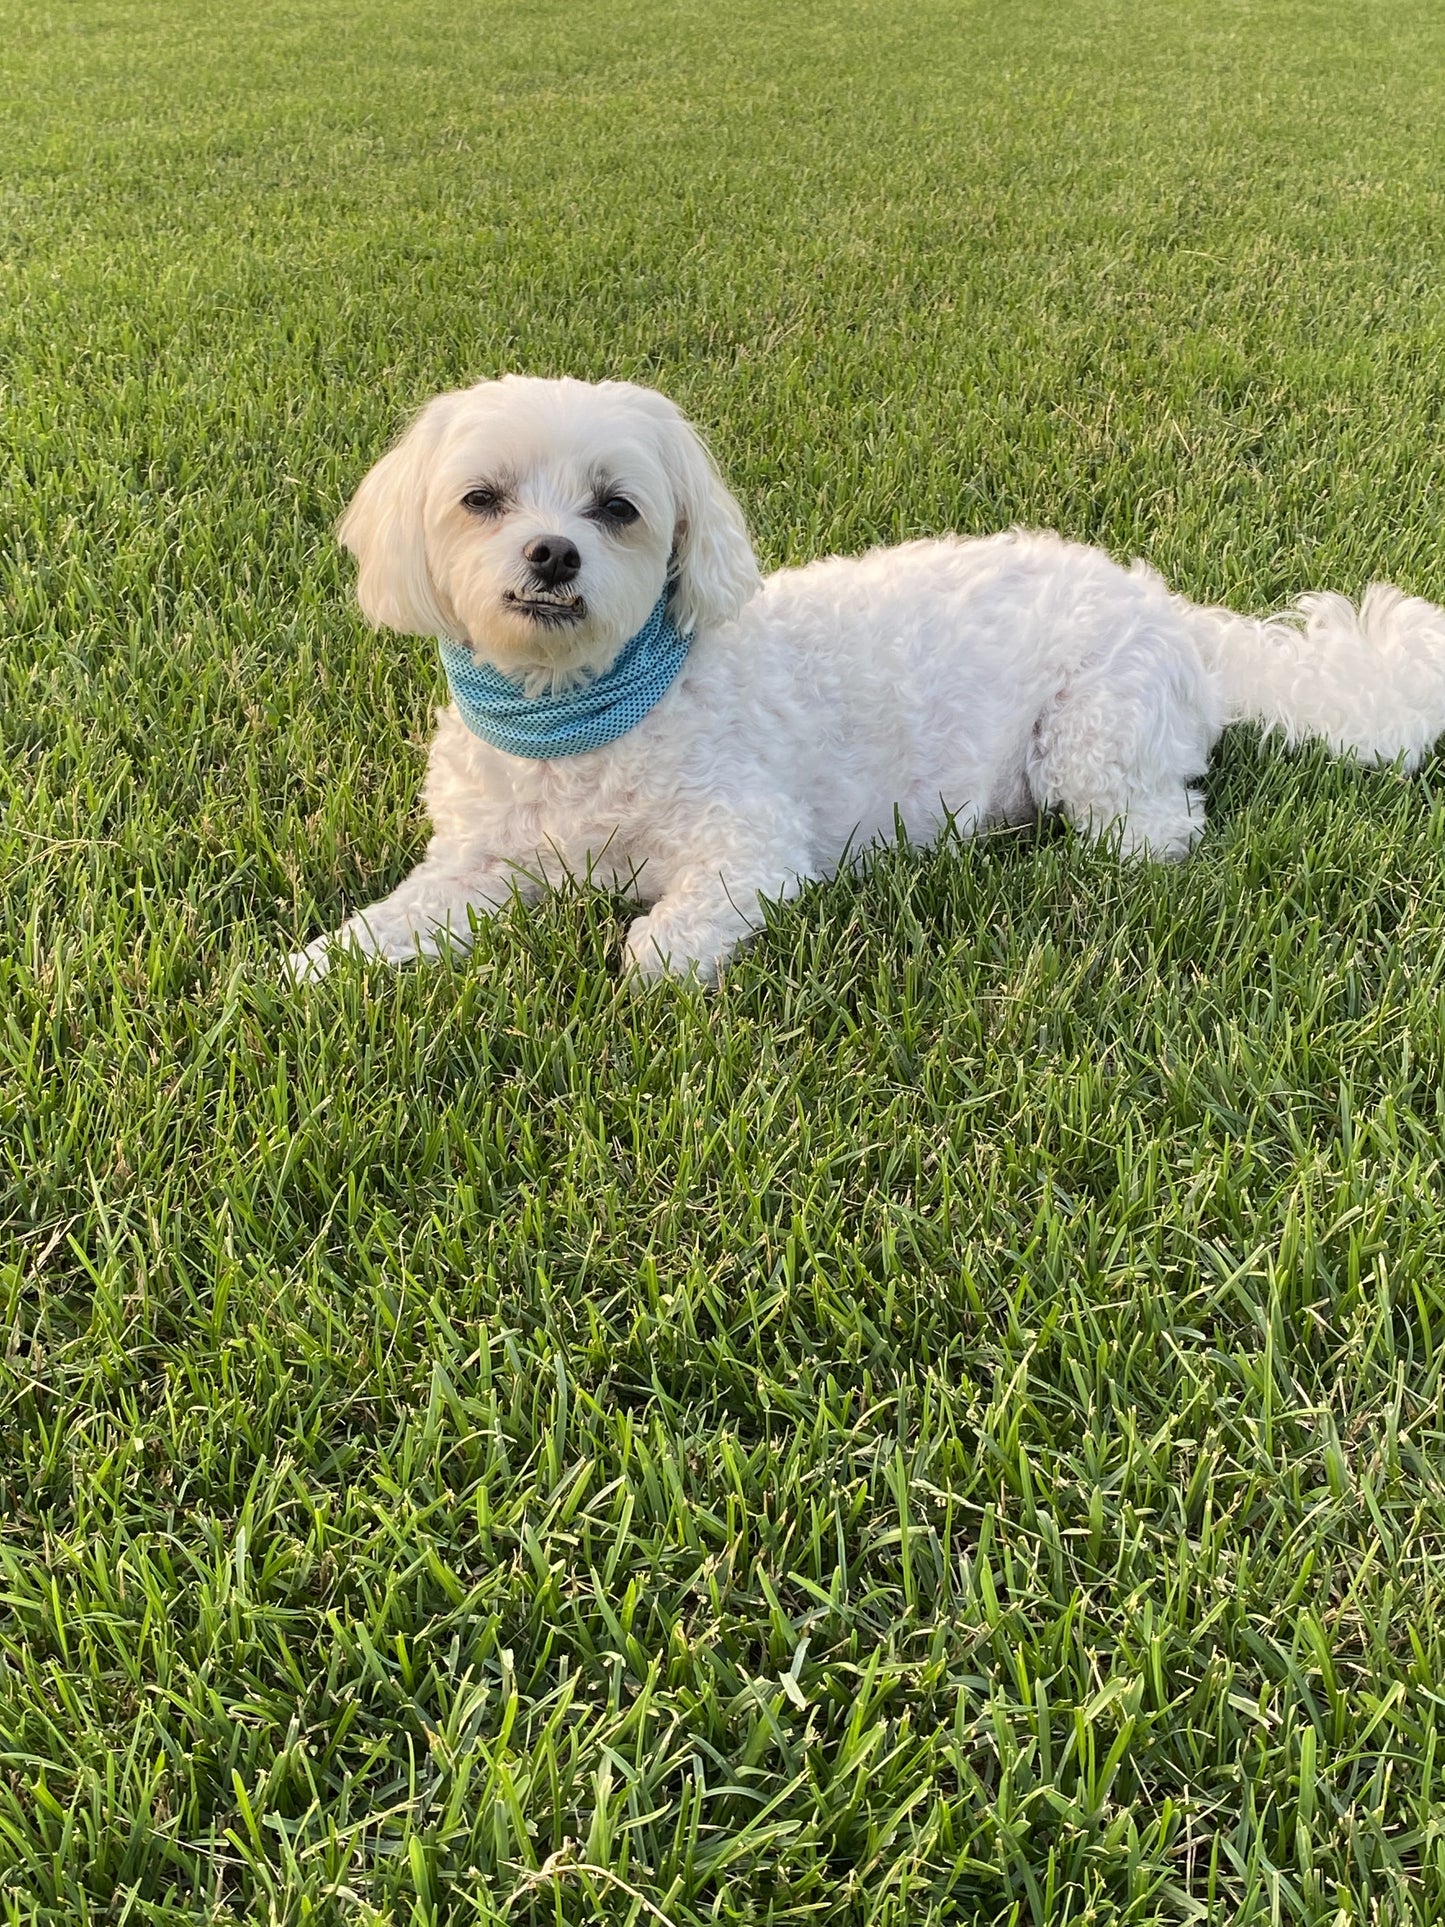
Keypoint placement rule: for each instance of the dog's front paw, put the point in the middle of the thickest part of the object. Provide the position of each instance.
(642, 960)
(650, 954)
(310, 965)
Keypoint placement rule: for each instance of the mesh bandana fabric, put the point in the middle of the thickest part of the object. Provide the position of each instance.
(495, 707)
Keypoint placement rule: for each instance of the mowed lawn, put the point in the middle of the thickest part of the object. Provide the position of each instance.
(949, 1429)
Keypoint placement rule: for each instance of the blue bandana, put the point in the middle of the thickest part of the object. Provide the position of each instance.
(495, 707)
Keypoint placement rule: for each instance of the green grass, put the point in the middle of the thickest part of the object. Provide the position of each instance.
(951, 1428)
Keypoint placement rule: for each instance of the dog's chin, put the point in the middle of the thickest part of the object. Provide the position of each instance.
(549, 641)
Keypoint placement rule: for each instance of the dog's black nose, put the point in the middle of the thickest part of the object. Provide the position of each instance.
(553, 559)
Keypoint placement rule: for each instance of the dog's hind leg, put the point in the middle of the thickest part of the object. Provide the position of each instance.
(1120, 747)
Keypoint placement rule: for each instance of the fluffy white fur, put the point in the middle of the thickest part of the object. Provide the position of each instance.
(979, 680)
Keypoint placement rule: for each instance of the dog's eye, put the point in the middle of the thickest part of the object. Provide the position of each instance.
(617, 510)
(482, 501)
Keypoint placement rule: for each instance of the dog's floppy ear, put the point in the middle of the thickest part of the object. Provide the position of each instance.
(716, 570)
(385, 531)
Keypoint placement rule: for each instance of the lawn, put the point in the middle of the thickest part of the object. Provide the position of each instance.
(949, 1429)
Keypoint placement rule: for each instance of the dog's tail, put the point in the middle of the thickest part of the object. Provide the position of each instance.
(1369, 681)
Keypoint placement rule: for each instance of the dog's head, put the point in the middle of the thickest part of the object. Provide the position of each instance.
(540, 520)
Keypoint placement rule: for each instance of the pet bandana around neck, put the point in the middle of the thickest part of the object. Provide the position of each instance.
(495, 707)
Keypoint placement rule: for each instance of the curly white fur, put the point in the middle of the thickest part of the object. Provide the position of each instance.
(978, 681)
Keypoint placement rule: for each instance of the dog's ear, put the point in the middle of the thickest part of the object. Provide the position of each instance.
(384, 529)
(716, 570)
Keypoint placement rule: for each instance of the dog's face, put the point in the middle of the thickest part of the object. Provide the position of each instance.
(540, 520)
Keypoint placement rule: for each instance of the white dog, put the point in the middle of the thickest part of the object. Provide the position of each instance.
(555, 535)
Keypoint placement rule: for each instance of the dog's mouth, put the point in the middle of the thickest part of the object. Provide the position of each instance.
(549, 611)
